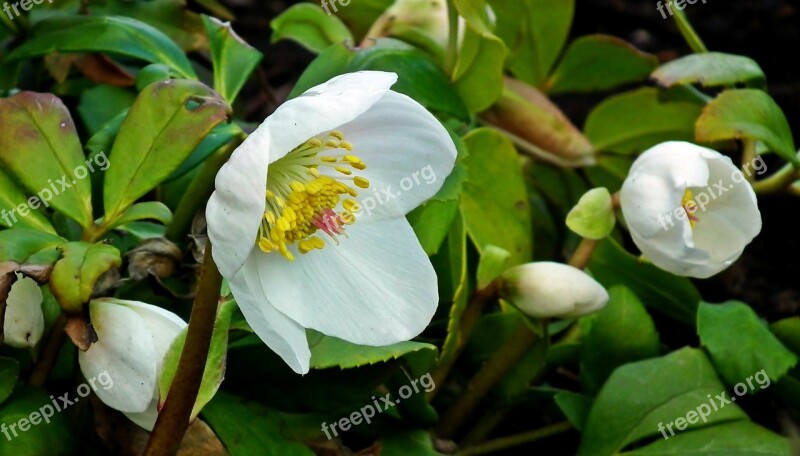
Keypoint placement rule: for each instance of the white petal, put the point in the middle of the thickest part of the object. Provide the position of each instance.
(548, 289)
(164, 327)
(236, 207)
(324, 108)
(147, 419)
(23, 324)
(656, 184)
(123, 351)
(408, 154)
(281, 334)
(376, 288)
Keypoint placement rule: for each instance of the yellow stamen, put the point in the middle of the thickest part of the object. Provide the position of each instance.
(361, 182)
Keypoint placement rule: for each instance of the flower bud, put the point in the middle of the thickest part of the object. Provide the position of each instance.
(538, 126)
(547, 289)
(23, 324)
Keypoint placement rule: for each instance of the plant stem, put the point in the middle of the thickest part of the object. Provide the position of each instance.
(688, 32)
(452, 43)
(583, 254)
(777, 182)
(173, 420)
(748, 155)
(487, 377)
(51, 350)
(468, 321)
(516, 440)
(199, 191)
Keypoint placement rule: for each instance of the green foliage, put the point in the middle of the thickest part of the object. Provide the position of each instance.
(710, 69)
(311, 27)
(166, 123)
(754, 349)
(599, 62)
(748, 113)
(76, 273)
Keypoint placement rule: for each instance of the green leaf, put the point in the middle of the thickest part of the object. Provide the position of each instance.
(535, 32)
(575, 407)
(219, 136)
(311, 27)
(754, 349)
(634, 121)
(113, 34)
(478, 73)
(9, 373)
(495, 200)
(593, 217)
(327, 352)
(149, 210)
(621, 333)
(639, 396)
(55, 437)
(363, 16)
(249, 428)
(40, 147)
(599, 62)
(673, 296)
(234, 60)
(747, 113)
(493, 262)
(76, 273)
(166, 123)
(710, 69)
(788, 332)
(431, 223)
(419, 77)
(11, 198)
(214, 371)
(739, 437)
(102, 103)
(457, 279)
(29, 247)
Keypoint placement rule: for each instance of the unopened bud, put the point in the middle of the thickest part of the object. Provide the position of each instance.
(538, 127)
(548, 290)
(23, 324)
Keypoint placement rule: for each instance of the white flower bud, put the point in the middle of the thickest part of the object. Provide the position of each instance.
(24, 321)
(547, 289)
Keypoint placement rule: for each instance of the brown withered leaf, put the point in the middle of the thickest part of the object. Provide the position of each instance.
(80, 332)
(157, 257)
(101, 69)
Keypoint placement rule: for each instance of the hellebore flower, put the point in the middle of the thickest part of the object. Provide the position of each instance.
(132, 340)
(23, 324)
(307, 220)
(689, 209)
(552, 290)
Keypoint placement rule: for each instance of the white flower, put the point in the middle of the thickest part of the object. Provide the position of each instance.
(689, 209)
(307, 255)
(23, 324)
(132, 340)
(552, 290)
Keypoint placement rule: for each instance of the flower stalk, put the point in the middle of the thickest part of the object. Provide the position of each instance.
(173, 420)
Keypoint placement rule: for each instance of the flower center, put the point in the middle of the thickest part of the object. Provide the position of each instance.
(309, 191)
(690, 207)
